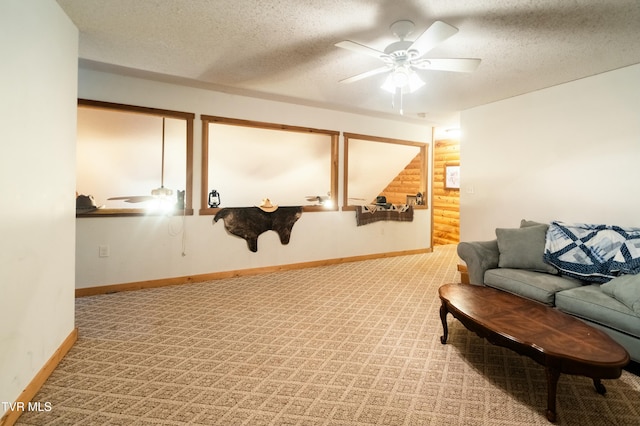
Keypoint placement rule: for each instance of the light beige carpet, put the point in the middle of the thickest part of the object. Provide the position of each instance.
(350, 344)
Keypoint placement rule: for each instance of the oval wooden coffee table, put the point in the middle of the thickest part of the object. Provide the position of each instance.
(559, 342)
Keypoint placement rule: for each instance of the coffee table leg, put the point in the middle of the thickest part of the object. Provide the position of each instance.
(599, 386)
(443, 318)
(553, 375)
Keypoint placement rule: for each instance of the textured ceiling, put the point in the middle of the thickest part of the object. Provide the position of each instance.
(284, 49)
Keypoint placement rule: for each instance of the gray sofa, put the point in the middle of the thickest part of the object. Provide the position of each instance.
(514, 262)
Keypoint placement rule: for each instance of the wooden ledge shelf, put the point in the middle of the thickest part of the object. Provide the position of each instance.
(133, 212)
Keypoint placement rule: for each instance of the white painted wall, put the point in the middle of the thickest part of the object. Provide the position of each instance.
(247, 164)
(566, 153)
(38, 81)
(147, 248)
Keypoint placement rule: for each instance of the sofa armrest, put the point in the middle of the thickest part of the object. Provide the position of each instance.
(479, 256)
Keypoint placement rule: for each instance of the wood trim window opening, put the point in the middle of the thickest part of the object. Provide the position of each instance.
(247, 161)
(377, 166)
(124, 152)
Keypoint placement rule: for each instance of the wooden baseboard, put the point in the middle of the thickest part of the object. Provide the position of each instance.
(114, 288)
(22, 403)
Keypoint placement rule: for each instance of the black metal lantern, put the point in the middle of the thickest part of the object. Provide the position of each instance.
(214, 199)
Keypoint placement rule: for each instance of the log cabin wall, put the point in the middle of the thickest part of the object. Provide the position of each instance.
(407, 182)
(445, 202)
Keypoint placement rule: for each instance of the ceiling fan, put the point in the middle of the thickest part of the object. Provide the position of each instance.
(402, 58)
(160, 192)
(322, 200)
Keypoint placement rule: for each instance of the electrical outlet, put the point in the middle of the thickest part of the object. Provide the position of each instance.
(103, 251)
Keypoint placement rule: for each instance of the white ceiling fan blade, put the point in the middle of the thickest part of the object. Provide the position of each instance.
(366, 74)
(434, 35)
(454, 64)
(360, 48)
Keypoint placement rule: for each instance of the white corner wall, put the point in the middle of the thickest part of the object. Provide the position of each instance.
(149, 248)
(38, 82)
(568, 153)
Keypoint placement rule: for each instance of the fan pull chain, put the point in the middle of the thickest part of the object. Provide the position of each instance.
(393, 100)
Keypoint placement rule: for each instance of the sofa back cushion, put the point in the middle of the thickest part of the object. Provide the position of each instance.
(523, 248)
(625, 289)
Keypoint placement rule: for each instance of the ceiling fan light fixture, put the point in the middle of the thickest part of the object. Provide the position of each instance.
(388, 85)
(404, 79)
(415, 82)
(400, 76)
(162, 192)
(162, 200)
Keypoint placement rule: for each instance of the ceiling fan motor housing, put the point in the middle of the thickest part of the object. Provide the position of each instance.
(398, 50)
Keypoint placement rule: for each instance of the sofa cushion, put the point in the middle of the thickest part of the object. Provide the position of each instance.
(523, 248)
(625, 289)
(591, 303)
(529, 284)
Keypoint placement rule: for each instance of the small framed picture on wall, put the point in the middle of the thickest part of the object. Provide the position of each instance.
(452, 177)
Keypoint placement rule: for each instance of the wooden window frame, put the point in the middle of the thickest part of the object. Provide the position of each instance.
(207, 119)
(189, 118)
(424, 168)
